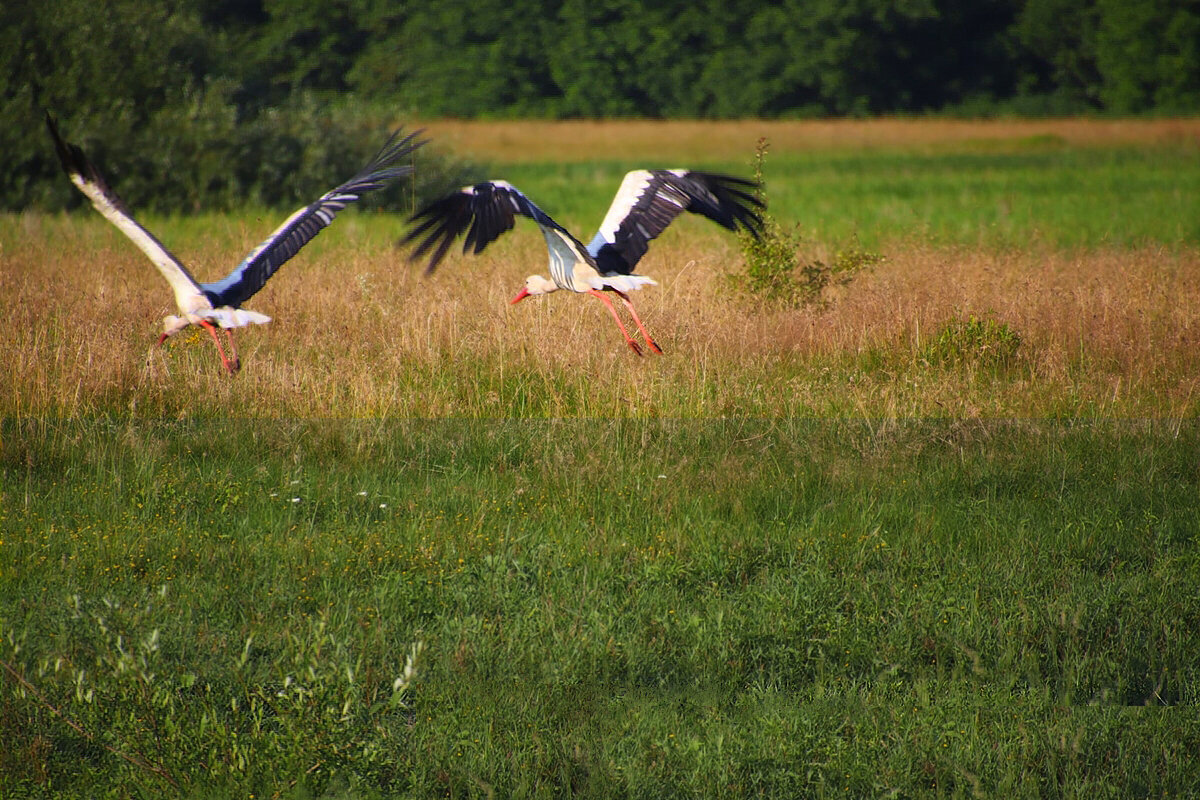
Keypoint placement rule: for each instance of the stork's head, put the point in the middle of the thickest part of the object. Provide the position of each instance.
(534, 284)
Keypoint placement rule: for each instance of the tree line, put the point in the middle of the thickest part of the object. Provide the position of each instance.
(221, 102)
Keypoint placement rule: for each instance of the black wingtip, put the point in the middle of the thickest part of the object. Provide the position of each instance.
(68, 155)
(742, 198)
(434, 224)
(71, 156)
(398, 146)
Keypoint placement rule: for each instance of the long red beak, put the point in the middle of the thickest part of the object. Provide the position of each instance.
(524, 293)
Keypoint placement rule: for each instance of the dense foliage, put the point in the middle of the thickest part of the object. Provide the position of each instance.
(217, 102)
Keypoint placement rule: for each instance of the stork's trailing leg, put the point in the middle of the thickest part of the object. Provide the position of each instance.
(230, 366)
(237, 361)
(629, 304)
(634, 346)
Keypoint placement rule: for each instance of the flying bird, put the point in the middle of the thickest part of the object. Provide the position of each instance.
(645, 204)
(219, 304)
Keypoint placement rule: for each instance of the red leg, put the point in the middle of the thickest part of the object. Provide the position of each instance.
(237, 362)
(629, 304)
(632, 344)
(229, 367)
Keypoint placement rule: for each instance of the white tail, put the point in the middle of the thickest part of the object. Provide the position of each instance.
(234, 317)
(626, 283)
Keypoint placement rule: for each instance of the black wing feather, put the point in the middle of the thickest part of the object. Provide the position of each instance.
(73, 161)
(483, 212)
(262, 262)
(729, 201)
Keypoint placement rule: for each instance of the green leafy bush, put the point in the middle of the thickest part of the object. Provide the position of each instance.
(774, 269)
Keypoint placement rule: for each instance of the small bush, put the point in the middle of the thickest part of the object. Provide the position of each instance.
(774, 269)
(983, 342)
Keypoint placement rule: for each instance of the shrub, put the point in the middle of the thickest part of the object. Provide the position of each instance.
(774, 270)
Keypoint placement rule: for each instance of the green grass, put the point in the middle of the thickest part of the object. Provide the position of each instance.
(639, 608)
(1009, 192)
(1042, 194)
(752, 567)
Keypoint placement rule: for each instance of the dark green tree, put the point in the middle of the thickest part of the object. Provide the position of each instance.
(191, 103)
(1148, 53)
(1057, 39)
(114, 70)
(462, 61)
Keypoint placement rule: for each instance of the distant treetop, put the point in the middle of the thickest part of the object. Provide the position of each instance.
(242, 85)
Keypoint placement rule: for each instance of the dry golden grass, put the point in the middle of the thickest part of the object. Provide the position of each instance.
(358, 332)
(691, 142)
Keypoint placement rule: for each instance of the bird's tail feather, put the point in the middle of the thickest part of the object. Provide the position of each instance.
(625, 283)
(235, 317)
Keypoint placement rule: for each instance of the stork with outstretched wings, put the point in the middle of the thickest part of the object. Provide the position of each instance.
(218, 304)
(646, 203)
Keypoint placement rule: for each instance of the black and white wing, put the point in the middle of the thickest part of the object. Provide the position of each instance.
(649, 200)
(89, 181)
(483, 212)
(300, 228)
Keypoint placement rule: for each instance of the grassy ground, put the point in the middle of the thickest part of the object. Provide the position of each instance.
(427, 544)
(359, 333)
(718, 609)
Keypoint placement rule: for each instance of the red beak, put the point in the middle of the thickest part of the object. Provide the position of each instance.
(524, 293)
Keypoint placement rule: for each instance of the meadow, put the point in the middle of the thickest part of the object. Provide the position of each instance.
(933, 535)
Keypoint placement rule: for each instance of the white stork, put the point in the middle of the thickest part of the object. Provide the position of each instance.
(644, 206)
(220, 302)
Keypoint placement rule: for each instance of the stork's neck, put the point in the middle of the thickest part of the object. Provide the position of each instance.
(565, 255)
(536, 284)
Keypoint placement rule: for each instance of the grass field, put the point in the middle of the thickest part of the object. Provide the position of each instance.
(934, 536)
(1015, 184)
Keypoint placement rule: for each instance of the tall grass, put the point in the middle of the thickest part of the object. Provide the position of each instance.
(358, 332)
(934, 537)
